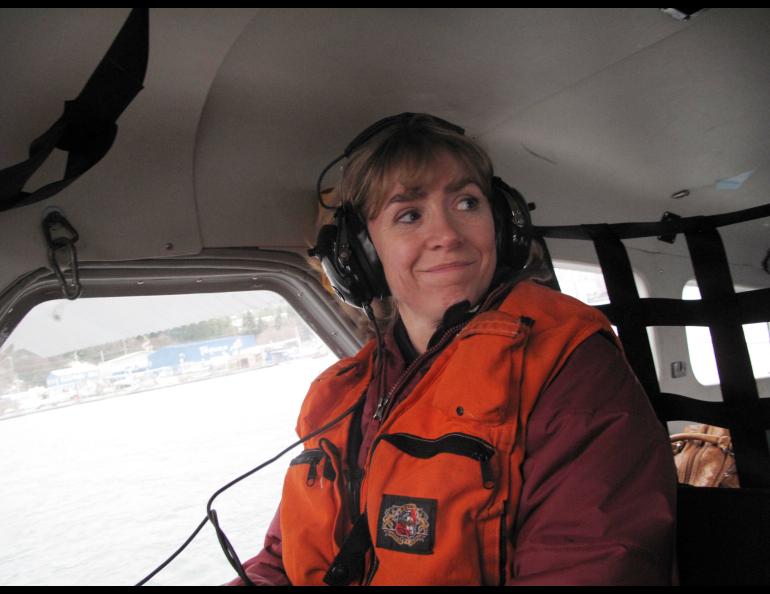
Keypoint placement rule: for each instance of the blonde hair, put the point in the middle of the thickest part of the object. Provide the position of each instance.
(405, 153)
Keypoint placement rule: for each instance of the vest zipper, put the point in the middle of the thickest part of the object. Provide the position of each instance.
(353, 473)
(354, 477)
(383, 406)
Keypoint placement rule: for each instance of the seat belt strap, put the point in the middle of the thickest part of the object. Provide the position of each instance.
(87, 128)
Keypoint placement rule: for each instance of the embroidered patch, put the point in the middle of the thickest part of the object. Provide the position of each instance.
(407, 524)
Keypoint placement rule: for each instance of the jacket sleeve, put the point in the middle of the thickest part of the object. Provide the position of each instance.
(598, 502)
(266, 569)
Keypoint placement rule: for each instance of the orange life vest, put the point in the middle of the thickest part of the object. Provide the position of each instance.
(442, 479)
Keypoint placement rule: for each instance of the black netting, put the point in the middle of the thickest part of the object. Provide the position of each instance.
(720, 308)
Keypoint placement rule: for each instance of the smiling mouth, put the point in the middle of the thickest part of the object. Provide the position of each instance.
(448, 267)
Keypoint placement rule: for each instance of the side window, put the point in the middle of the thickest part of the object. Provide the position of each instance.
(120, 417)
(581, 281)
(586, 283)
(702, 359)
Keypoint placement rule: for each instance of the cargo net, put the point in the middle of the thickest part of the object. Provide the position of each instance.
(720, 308)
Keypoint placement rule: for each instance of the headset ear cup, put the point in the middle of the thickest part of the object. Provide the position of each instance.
(326, 251)
(368, 264)
(513, 225)
(349, 260)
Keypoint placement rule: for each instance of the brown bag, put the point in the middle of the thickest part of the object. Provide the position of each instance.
(704, 457)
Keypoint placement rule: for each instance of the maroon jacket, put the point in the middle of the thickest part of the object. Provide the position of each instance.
(598, 500)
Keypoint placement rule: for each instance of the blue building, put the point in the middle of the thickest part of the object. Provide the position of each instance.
(199, 352)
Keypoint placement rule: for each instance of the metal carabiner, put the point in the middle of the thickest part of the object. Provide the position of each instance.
(60, 235)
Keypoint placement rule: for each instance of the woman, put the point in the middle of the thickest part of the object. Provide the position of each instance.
(497, 435)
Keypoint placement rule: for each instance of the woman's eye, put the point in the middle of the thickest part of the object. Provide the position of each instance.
(469, 203)
(409, 216)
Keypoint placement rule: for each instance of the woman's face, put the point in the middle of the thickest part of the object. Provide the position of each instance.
(436, 244)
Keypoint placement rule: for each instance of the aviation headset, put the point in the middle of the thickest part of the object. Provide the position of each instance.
(347, 253)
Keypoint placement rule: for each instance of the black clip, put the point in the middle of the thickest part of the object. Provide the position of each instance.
(668, 237)
(766, 262)
(60, 235)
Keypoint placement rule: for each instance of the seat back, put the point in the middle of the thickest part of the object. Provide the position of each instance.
(723, 536)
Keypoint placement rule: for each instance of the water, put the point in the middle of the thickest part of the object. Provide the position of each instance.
(101, 493)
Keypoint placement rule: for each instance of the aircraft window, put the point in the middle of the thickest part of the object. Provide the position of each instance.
(702, 358)
(586, 282)
(120, 417)
(582, 281)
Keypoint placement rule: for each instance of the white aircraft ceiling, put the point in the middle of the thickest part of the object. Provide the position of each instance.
(597, 115)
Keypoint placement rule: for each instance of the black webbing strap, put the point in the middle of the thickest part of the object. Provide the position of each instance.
(655, 229)
(739, 389)
(753, 306)
(720, 308)
(623, 294)
(87, 128)
(552, 281)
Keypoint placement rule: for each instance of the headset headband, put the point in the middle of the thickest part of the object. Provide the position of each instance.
(373, 130)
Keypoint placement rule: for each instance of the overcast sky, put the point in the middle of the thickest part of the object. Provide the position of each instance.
(62, 326)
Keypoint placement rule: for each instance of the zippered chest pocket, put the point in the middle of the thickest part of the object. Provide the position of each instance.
(458, 444)
(313, 510)
(314, 458)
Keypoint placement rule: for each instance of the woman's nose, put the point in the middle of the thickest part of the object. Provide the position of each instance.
(444, 231)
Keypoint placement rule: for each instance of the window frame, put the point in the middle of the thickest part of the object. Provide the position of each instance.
(214, 270)
(286, 274)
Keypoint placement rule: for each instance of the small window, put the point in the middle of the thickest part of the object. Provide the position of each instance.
(120, 417)
(582, 281)
(586, 283)
(702, 358)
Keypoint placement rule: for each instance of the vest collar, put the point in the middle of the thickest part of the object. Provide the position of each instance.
(459, 313)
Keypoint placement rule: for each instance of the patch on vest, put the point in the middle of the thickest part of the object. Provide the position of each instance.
(407, 524)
